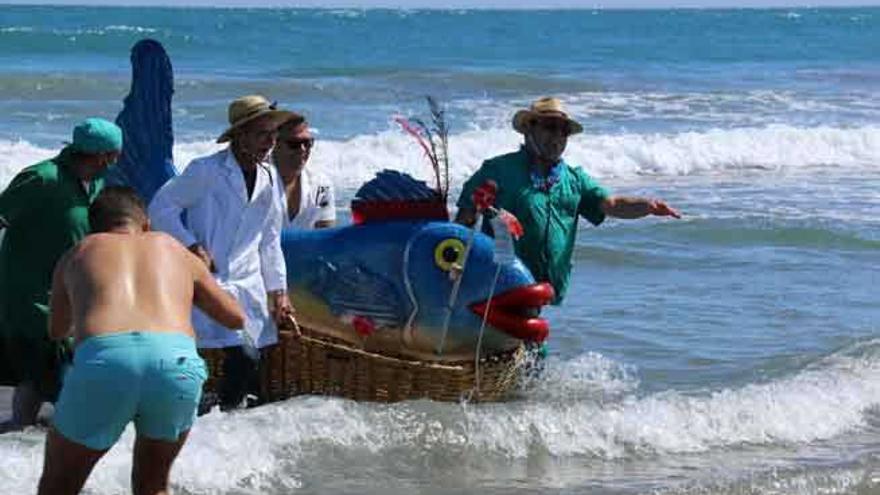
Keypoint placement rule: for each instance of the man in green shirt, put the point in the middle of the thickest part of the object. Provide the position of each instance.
(546, 194)
(44, 211)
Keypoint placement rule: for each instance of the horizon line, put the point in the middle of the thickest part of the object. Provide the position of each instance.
(178, 5)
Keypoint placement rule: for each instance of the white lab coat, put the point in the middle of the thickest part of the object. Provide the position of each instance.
(242, 236)
(316, 202)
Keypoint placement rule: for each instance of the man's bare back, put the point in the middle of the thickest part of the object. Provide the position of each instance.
(123, 281)
(141, 280)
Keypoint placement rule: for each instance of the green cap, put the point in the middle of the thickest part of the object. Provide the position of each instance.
(94, 135)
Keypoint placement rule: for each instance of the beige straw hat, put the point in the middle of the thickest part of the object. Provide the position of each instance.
(248, 108)
(544, 107)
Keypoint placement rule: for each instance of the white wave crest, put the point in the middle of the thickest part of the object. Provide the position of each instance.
(15, 155)
(17, 29)
(238, 452)
(132, 29)
(351, 162)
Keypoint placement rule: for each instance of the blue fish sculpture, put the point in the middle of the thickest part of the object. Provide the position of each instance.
(383, 284)
(393, 273)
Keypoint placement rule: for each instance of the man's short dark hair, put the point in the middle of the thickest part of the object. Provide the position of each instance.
(116, 206)
(295, 120)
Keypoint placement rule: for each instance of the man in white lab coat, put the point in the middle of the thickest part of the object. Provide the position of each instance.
(308, 200)
(225, 207)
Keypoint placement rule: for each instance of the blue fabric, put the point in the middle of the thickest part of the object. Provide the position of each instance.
(146, 162)
(152, 378)
(543, 182)
(94, 135)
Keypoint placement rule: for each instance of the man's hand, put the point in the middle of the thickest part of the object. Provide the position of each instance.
(280, 307)
(203, 254)
(628, 207)
(661, 209)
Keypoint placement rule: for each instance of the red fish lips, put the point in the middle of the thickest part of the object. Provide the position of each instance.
(515, 312)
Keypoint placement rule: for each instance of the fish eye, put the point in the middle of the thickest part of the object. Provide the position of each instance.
(449, 253)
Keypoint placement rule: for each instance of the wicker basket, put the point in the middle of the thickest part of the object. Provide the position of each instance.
(311, 363)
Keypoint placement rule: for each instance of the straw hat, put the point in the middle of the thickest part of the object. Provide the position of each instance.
(248, 108)
(544, 107)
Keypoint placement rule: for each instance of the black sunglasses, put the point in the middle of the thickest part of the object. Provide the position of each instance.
(297, 144)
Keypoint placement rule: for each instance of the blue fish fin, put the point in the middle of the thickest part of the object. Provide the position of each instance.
(352, 289)
(393, 195)
(391, 185)
(146, 162)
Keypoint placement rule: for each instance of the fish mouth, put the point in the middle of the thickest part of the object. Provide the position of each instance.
(515, 312)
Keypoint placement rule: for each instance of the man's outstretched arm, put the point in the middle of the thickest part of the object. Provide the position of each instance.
(628, 207)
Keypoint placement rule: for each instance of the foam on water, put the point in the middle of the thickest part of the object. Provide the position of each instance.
(601, 108)
(262, 449)
(857, 480)
(15, 155)
(351, 162)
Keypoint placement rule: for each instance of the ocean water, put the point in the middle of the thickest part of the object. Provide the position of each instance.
(735, 351)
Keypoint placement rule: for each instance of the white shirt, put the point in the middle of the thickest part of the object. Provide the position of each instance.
(316, 203)
(243, 238)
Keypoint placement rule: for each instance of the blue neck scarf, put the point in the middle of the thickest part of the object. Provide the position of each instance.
(543, 182)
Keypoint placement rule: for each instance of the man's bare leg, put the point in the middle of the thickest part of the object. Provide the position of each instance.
(66, 465)
(26, 402)
(152, 464)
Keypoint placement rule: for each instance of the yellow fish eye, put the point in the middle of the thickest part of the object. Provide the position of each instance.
(449, 253)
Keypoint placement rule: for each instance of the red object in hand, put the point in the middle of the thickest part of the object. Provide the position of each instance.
(484, 195)
(363, 326)
(513, 226)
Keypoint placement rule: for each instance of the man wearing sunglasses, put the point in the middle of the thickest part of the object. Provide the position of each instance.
(546, 194)
(308, 203)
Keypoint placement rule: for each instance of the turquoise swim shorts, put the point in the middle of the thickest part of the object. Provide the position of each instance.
(152, 378)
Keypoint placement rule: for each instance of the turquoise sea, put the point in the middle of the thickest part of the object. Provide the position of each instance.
(736, 351)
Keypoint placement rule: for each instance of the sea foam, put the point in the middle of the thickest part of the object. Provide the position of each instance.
(779, 148)
(833, 396)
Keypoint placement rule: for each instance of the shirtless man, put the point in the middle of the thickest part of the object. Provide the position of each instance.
(126, 294)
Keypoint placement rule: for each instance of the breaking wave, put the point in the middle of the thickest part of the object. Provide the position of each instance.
(588, 407)
(349, 163)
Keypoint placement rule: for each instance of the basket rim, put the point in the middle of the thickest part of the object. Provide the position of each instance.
(460, 366)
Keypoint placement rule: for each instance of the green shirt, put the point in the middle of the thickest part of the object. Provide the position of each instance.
(45, 209)
(549, 218)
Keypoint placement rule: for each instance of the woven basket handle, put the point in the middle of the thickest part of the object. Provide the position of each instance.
(289, 324)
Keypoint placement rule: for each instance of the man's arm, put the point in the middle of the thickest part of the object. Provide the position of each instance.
(60, 317)
(171, 199)
(174, 197)
(272, 264)
(627, 207)
(211, 298)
